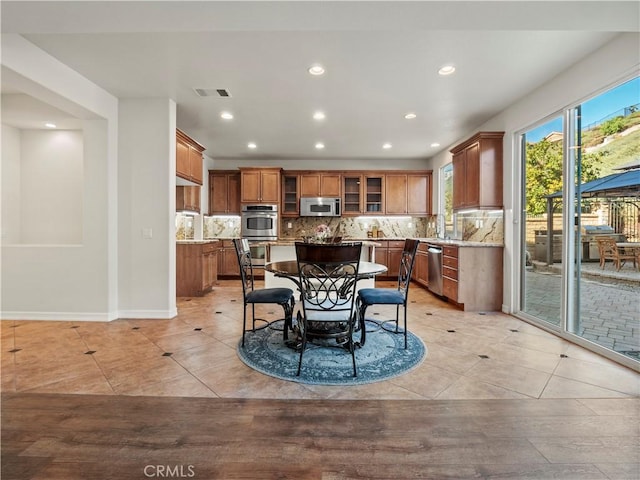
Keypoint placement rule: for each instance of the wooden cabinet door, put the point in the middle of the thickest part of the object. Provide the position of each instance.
(224, 193)
(183, 167)
(309, 184)
(382, 253)
(395, 187)
(187, 198)
(260, 185)
(459, 175)
(421, 267)
(394, 255)
(393, 262)
(250, 181)
(195, 165)
(418, 194)
(233, 193)
(374, 195)
(472, 176)
(270, 187)
(352, 198)
(290, 196)
(218, 193)
(330, 184)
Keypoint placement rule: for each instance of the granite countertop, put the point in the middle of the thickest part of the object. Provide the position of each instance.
(291, 242)
(459, 243)
(368, 242)
(197, 242)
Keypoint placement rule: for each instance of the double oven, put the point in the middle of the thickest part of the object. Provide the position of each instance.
(259, 223)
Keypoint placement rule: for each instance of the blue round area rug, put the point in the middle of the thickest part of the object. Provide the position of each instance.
(383, 357)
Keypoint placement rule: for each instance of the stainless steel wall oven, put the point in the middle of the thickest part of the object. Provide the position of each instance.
(259, 222)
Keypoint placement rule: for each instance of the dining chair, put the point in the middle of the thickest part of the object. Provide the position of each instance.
(252, 296)
(608, 250)
(391, 296)
(328, 275)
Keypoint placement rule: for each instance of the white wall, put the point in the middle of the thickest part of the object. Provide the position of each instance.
(51, 187)
(67, 282)
(11, 220)
(146, 208)
(616, 61)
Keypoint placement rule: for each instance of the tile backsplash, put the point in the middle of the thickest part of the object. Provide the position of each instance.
(477, 226)
(355, 227)
(481, 226)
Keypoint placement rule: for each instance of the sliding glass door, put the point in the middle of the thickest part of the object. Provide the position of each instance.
(542, 222)
(581, 191)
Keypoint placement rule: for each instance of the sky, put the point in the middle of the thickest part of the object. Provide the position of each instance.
(610, 102)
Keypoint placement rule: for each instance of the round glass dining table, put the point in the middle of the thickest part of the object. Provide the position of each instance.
(289, 269)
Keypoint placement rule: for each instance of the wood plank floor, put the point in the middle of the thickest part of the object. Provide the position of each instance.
(59, 436)
(135, 399)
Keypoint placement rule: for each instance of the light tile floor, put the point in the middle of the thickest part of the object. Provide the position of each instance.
(194, 355)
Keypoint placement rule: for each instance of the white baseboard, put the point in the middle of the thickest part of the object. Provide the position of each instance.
(88, 317)
(58, 316)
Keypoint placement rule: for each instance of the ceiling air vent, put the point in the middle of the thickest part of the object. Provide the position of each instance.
(212, 92)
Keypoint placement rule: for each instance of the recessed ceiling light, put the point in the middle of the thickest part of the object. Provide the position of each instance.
(319, 145)
(316, 70)
(447, 70)
(410, 116)
(252, 145)
(435, 144)
(386, 146)
(319, 116)
(50, 125)
(226, 115)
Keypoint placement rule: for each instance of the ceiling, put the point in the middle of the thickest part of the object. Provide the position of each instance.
(381, 60)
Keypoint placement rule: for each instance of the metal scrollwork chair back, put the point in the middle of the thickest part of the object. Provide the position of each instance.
(327, 278)
(252, 296)
(391, 296)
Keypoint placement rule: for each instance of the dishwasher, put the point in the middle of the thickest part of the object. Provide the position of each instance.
(434, 274)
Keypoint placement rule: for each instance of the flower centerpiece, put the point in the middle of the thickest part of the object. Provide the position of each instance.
(322, 233)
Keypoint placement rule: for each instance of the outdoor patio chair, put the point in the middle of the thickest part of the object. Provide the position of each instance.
(391, 296)
(608, 250)
(252, 296)
(328, 275)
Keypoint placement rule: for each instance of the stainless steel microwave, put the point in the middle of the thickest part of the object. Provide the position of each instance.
(320, 207)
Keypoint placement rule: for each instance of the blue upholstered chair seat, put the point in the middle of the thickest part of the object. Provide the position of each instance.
(383, 296)
(269, 295)
(391, 296)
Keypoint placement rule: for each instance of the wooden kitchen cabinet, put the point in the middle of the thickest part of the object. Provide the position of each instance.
(450, 272)
(224, 192)
(472, 276)
(260, 185)
(389, 254)
(374, 194)
(477, 172)
(228, 260)
(187, 199)
(188, 158)
(290, 195)
(395, 186)
(421, 267)
(407, 193)
(419, 193)
(320, 184)
(196, 268)
(352, 187)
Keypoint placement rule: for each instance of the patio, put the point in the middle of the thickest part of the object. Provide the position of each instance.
(609, 306)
